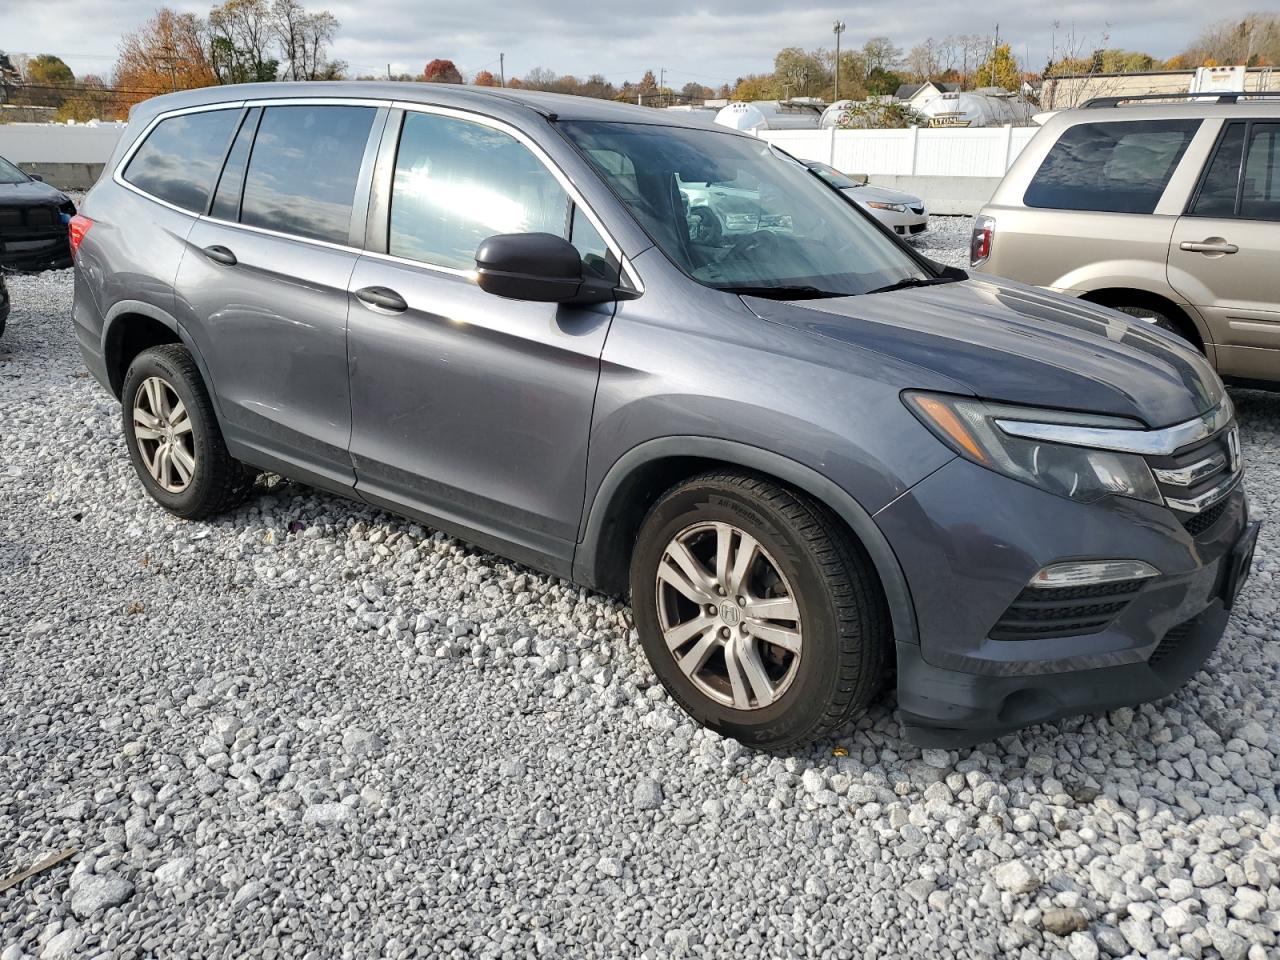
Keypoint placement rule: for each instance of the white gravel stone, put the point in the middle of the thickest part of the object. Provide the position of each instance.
(98, 892)
(1015, 877)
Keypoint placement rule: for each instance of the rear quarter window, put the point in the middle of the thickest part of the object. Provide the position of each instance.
(1115, 167)
(180, 159)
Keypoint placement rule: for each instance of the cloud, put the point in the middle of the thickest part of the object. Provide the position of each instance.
(711, 41)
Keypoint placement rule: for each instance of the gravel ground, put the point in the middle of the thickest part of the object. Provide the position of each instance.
(314, 729)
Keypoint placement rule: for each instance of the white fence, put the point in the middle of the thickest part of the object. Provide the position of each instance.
(913, 152)
(58, 143)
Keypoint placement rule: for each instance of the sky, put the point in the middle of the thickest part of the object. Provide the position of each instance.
(707, 41)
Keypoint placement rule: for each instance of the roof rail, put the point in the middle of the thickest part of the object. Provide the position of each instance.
(1222, 96)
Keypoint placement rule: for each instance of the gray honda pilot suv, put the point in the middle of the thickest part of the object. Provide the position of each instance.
(812, 457)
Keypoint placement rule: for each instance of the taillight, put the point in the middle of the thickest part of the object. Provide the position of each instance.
(76, 229)
(984, 235)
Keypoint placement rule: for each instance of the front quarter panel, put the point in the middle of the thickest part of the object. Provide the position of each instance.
(686, 360)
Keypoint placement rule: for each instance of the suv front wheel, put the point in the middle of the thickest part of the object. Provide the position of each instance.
(173, 437)
(762, 618)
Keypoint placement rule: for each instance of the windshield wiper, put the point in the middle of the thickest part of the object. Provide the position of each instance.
(783, 292)
(908, 282)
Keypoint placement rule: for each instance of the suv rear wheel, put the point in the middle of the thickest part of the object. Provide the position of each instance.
(1155, 317)
(173, 437)
(760, 616)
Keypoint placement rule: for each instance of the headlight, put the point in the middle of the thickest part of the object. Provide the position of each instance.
(969, 427)
(895, 207)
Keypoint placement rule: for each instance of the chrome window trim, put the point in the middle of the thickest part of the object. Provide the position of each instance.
(1207, 499)
(117, 175)
(1161, 442)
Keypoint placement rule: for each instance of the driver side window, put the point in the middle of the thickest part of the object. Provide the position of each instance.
(458, 183)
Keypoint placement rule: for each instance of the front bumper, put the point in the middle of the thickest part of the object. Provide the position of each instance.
(908, 224)
(36, 252)
(969, 541)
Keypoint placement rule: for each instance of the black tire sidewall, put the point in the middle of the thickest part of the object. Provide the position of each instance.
(806, 700)
(153, 363)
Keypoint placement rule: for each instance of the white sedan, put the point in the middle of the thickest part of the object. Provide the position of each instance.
(902, 213)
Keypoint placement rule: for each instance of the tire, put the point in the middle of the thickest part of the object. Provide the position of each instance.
(1155, 318)
(207, 480)
(832, 640)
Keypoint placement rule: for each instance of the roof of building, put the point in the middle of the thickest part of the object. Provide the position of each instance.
(909, 90)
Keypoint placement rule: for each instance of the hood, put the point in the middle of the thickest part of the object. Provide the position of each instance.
(32, 191)
(880, 195)
(1019, 344)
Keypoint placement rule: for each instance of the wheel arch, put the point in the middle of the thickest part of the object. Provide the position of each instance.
(1136, 297)
(132, 326)
(641, 475)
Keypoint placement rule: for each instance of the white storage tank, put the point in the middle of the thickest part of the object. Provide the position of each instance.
(989, 107)
(771, 115)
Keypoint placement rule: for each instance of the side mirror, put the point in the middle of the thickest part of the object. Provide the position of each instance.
(536, 266)
(36, 176)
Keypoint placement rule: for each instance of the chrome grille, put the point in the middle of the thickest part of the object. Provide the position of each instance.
(1201, 475)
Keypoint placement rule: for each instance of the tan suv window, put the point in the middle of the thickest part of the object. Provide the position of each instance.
(1112, 167)
(1260, 191)
(1249, 189)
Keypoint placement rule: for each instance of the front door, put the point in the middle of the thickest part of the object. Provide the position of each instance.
(466, 407)
(1224, 251)
(264, 279)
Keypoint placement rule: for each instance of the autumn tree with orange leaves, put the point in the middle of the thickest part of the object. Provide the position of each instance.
(166, 53)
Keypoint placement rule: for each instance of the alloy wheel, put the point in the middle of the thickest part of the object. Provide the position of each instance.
(728, 615)
(163, 431)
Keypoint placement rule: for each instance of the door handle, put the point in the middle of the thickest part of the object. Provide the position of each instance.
(220, 254)
(1212, 245)
(382, 298)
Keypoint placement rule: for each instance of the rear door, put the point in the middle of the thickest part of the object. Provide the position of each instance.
(468, 407)
(263, 283)
(1225, 250)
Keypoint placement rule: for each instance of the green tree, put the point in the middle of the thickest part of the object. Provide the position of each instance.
(800, 73)
(48, 70)
(882, 83)
(1000, 69)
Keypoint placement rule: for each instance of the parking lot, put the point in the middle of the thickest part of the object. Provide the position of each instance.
(315, 729)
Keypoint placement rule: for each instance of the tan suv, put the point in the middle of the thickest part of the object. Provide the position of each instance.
(1169, 212)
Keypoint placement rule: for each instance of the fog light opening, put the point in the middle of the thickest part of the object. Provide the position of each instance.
(1084, 573)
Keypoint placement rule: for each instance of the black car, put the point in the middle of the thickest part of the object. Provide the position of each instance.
(4, 303)
(33, 222)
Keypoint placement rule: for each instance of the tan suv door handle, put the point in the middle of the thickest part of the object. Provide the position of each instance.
(1212, 245)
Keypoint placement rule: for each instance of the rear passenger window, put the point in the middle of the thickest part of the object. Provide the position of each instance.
(1116, 167)
(1217, 194)
(1260, 191)
(1243, 177)
(226, 200)
(303, 170)
(180, 159)
(458, 183)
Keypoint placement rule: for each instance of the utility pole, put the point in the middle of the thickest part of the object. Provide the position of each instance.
(388, 71)
(837, 28)
(502, 69)
(170, 60)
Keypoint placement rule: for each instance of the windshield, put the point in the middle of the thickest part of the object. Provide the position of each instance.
(833, 176)
(736, 215)
(11, 174)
